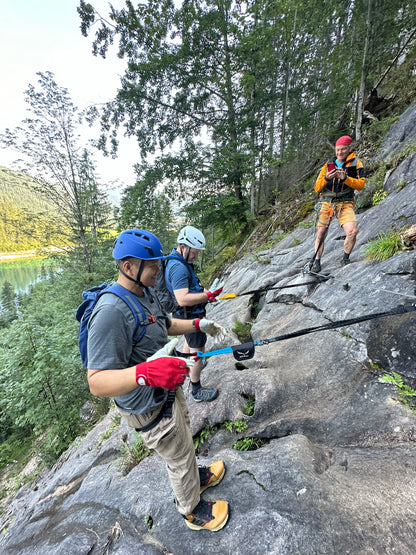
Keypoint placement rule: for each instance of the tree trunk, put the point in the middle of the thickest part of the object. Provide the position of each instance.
(361, 91)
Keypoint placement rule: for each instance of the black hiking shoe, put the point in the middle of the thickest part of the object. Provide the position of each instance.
(345, 261)
(316, 266)
(205, 394)
(208, 515)
(211, 475)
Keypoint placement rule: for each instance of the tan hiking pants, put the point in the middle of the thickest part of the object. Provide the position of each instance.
(172, 440)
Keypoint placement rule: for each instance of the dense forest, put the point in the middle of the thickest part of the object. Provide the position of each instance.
(234, 105)
(28, 221)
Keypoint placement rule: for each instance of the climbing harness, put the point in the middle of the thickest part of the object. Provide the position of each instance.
(264, 289)
(245, 351)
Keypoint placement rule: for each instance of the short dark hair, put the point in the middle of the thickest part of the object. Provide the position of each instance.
(121, 261)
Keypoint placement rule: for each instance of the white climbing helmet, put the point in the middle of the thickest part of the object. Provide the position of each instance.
(192, 237)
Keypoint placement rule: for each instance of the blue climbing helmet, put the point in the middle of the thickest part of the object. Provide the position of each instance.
(137, 243)
(140, 244)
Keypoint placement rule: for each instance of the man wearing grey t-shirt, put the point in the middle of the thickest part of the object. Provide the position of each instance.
(145, 379)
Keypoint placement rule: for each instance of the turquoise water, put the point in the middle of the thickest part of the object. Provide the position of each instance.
(22, 273)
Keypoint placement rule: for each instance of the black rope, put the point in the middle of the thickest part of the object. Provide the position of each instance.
(338, 324)
(263, 289)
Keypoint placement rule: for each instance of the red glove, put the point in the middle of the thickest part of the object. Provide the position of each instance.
(213, 294)
(165, 372)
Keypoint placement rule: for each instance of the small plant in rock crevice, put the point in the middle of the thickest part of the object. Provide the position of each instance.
(243, 331)
(385, 245)
(378, 196)
(134, 454)
(249, 444)
(248, 408)
(237, 426)
(203, 435)
(148, 520)
(114, 424)
(407, 393)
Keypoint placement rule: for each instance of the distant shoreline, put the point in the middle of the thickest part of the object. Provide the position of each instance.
(34, 253)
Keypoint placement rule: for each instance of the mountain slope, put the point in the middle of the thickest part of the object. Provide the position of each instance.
(28, 221)
(331, 465)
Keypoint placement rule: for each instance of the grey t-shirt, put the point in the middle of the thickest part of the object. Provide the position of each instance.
(110, 344)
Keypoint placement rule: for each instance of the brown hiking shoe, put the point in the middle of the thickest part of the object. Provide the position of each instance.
(211, 475)
(208, 515)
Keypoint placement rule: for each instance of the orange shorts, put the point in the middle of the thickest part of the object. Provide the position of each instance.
(343, 211)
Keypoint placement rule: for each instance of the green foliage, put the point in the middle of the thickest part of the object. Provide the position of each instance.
(243, 331)
(215, 261)
(148, 520)
(378, 196)
(142, 206)
(8, 308)
(203, 435)
(385, 245)
(134, 454)
(248, 408)
(238, 426)
(406, 392)
(29, 220)
(262, 259)
(43, 383)
(115, 423)
(238, 109)
(248, 444)
(17, 446)
(62, 171)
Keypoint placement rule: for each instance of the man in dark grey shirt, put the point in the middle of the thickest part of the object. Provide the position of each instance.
(145, 380)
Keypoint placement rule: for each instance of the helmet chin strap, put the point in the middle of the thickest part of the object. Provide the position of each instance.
(139, 273)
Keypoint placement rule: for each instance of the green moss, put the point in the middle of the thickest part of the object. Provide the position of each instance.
(243, 331)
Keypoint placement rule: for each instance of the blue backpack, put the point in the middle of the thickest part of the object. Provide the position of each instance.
(85, 309)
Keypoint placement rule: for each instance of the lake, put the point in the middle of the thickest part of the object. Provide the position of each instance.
(22, 273)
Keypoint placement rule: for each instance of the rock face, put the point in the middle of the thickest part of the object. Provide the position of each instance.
(400, 134)
(335, 470)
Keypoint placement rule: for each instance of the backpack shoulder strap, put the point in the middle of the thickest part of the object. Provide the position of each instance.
(184, 262)
(136, 308)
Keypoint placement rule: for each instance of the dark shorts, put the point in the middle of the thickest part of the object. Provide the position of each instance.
(196, 339)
